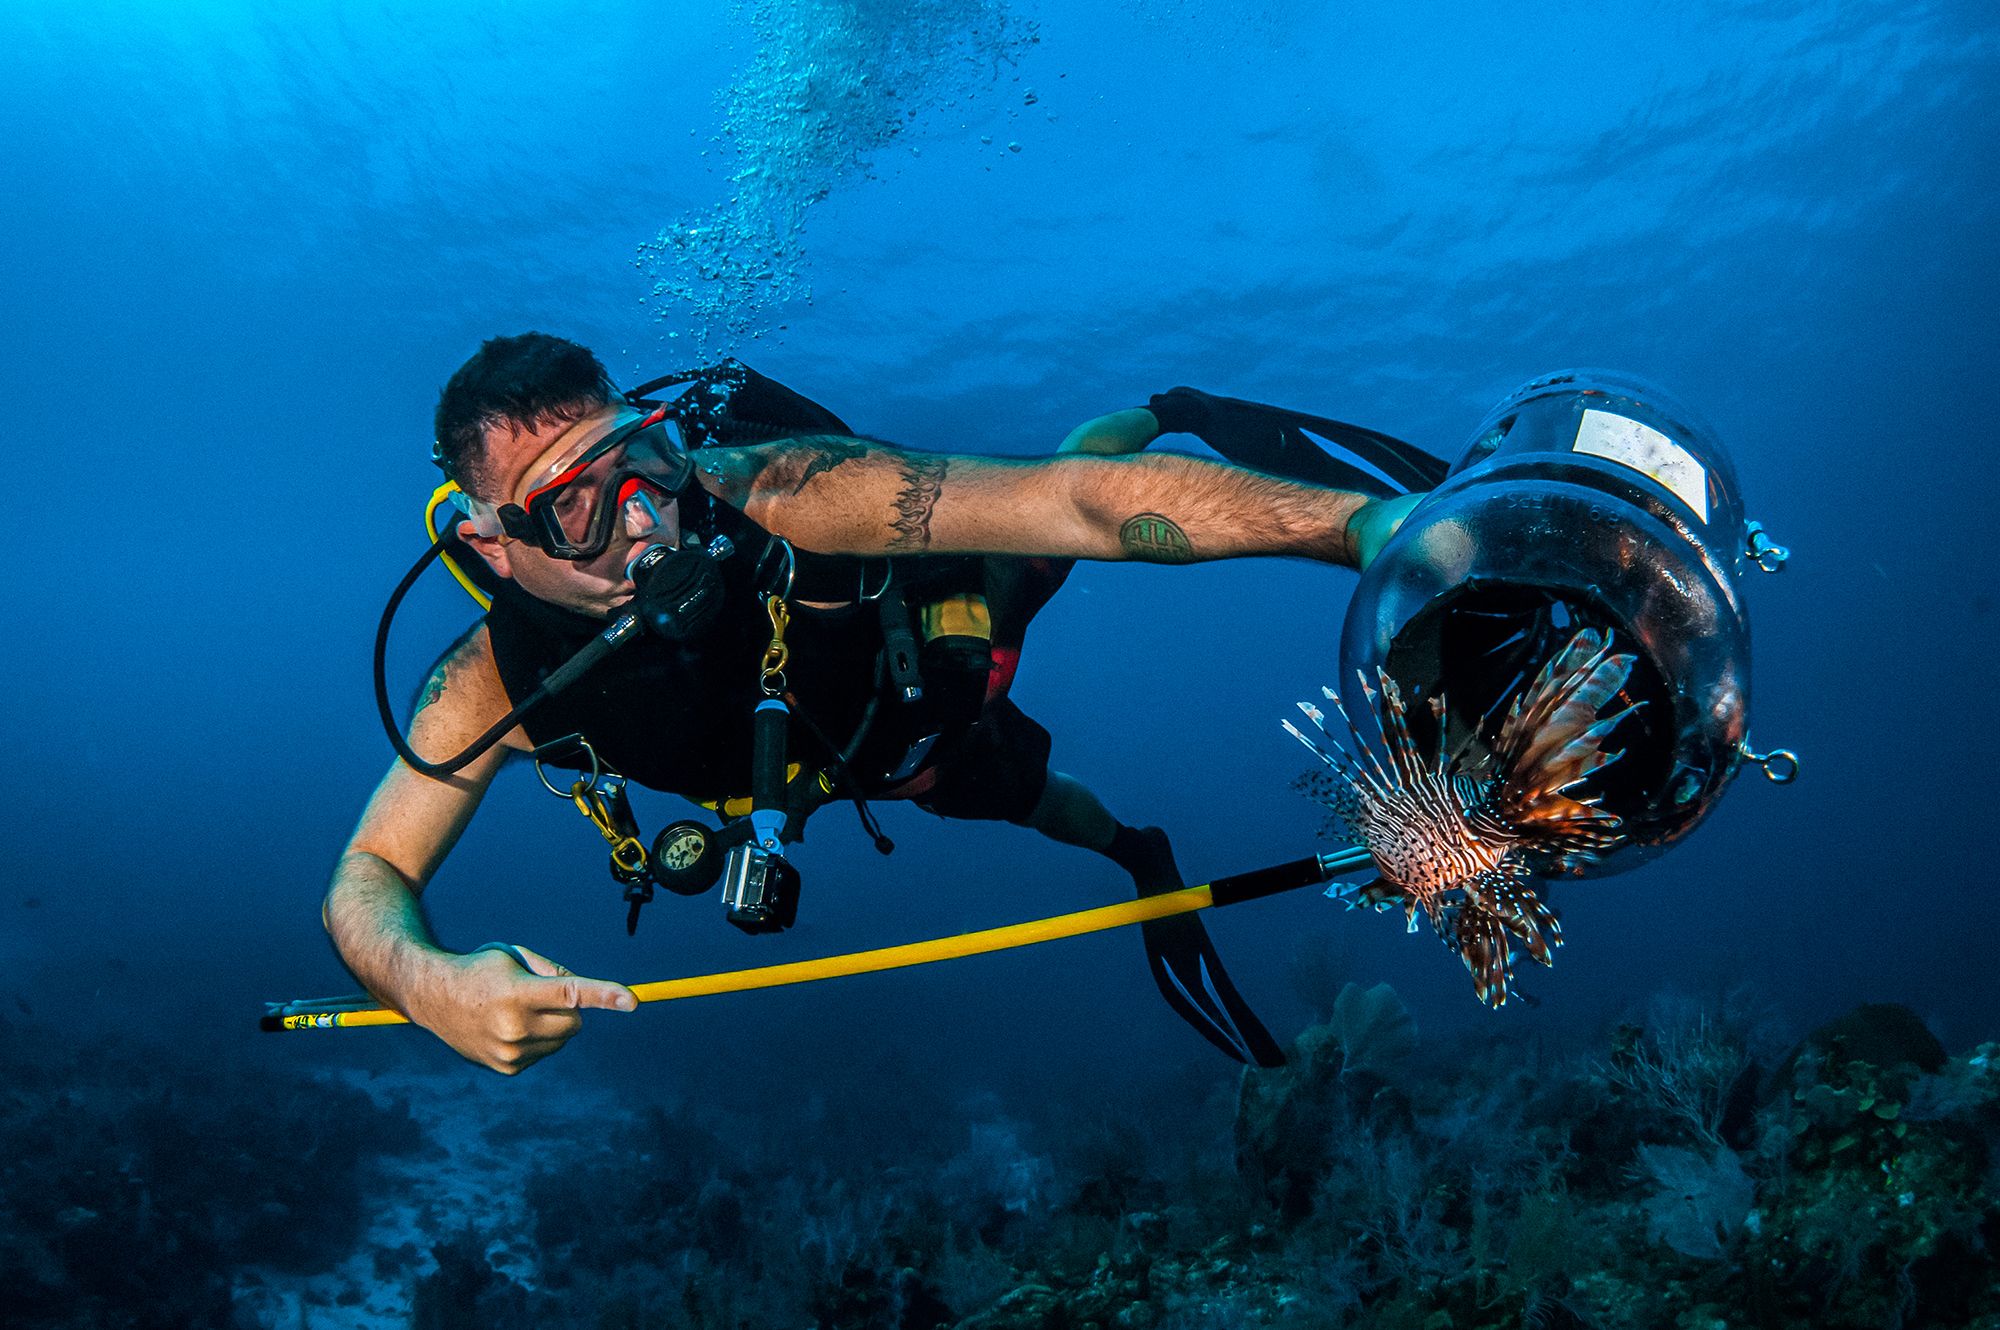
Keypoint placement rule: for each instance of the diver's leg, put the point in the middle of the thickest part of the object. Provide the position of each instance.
(1178, 950)
(1000, 770)
(1068, 812)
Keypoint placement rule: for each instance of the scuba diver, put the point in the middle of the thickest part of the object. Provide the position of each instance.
(726, 595)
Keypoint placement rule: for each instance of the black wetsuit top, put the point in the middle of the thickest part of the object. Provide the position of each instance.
(677, 718)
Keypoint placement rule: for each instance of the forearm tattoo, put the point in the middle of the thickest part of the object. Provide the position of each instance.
(1151, 538)
(826, 454)
(923, 481)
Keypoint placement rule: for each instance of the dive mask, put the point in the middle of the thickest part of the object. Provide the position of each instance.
(576, 508)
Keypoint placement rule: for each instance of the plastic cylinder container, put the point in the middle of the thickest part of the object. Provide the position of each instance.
(1586, 498)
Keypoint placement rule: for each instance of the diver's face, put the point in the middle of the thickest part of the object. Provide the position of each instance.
(515, 459)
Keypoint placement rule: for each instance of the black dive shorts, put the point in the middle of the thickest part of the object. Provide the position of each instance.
(994, 772)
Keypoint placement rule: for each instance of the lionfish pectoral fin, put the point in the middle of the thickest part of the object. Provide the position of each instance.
(1319, 787)
(1344, 820)
(1528, 918)
(1435, 909)
(1561, 706)
(1481, 943)
(1554, 682)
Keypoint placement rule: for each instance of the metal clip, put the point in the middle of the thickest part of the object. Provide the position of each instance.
(1780, 765)
(1763, 551)
(627, 854)
(776, 655)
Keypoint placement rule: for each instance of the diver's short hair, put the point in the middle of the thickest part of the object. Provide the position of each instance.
(525, 381)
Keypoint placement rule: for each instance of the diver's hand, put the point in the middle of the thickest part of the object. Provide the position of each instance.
(494, 1013)
(1114, 435)
(1377, 520)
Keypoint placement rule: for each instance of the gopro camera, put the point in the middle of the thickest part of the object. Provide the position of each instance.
(761, 889)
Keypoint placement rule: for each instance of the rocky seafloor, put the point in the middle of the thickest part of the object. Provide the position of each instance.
(1695, 1169)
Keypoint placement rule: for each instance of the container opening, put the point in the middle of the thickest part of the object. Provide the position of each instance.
(1481, 645)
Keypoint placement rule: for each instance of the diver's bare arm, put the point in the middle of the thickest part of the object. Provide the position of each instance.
(840, 495)
(408, 828)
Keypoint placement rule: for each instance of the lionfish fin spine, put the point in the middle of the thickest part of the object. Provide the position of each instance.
(1364, 752)
(1438, 710)
(1396, 732)
(1335, 757)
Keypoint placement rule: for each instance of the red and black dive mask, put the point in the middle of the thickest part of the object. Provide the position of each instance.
(635, 470)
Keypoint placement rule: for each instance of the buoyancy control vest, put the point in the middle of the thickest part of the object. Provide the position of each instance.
(677, 717)
(892, 664)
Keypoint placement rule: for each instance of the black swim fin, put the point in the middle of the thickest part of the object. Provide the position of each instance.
(1186, 967)
(1295, 445)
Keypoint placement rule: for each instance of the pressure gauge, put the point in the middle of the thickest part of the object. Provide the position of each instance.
(683, 860)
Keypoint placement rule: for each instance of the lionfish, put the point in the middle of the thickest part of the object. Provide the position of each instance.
(1458, 840)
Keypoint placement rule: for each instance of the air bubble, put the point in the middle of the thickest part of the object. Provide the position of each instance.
(830, 82)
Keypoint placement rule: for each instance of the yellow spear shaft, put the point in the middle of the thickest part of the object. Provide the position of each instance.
(340, 1014)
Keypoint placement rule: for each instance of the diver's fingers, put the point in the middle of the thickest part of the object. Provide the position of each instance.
(549, 1018)
(543, 1025)
(525, 1053)
(571, 992)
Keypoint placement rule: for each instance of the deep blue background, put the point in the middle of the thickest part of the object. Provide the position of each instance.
(245, 243)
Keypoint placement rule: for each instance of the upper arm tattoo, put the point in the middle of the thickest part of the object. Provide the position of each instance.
(923, 481)
(826, 453)
(433, 686)
(1151, 538)
(440, 677)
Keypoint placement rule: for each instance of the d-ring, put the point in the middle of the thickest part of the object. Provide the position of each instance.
(1762, 550)
(1781, 765)
(565, 744)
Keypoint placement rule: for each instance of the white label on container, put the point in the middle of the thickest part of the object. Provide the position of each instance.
(1647, 451)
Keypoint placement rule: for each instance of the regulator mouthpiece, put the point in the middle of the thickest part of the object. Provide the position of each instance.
(679, 592)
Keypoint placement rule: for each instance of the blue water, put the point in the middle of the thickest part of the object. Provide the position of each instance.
(246, 243)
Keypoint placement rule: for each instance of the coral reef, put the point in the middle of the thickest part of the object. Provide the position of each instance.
(135, 1189)
(1661, 1180)
(1372, 1184)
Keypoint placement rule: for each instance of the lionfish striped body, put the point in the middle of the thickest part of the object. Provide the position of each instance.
(1457, 840)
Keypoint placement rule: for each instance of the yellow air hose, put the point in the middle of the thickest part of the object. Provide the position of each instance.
(441, 498)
